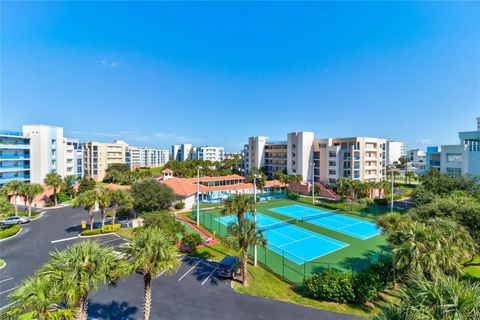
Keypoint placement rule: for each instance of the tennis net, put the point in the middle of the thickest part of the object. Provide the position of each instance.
(318, 215)
(277, 224)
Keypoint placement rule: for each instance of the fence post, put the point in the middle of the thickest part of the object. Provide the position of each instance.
(283, 263)
(304, 269)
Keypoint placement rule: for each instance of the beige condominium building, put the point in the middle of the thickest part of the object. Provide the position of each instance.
(354, 158)
(99, 155)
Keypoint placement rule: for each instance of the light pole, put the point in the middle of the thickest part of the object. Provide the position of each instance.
(313, 183)
(198, 195)
(255, 176)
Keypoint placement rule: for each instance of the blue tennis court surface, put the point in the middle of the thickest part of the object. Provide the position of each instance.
(356, 228)
(295, 243)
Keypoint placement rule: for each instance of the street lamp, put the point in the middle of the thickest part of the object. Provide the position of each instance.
(198, 195)
(255, 177)
(313, 183)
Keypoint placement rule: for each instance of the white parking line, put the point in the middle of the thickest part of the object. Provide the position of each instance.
(166, 269)
(5, 291)
(190, 270)
(6, 306)
(6, 280)
(116, 239)
(65, 239)
(209, 275)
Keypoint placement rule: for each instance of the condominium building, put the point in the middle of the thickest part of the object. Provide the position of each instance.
(50, 151)
(153, 157)
(100, 155)
(292, 156)
(462, 158)
(330, 158)
(216, 154)
(394, 152)
(356, 158)
(133, 157)
(416, 158)
(181, 152)
(14, 157)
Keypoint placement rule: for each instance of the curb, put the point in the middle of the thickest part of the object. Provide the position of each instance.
(4, 265)
(99, 235)
(12, 236)
(38, 216)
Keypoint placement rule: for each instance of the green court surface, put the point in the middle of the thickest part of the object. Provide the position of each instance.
(354, 257)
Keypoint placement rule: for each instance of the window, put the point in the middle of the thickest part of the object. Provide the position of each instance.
(454, 157)
(453, 171)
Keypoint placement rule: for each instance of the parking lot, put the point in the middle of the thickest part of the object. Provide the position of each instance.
(193, 292)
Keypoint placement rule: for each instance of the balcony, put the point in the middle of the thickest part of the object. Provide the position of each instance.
(13, 133)
(14, 168)
(14, 146)
(8, 179)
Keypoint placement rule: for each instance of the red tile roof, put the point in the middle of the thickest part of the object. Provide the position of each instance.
(181, 187)
(217, 178)
(167, 171)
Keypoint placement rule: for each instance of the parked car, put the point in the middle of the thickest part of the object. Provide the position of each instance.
(14, 220)
(228, 267)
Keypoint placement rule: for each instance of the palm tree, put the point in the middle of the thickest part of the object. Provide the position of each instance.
(343, 187)
(12, 188)
(296, 178)
(392, 225)
(244, 233)
(239, 204)
(54, 181)
(104, 198)
(79, 270)
(443, 299)
(87, 199)
(30, 192)
(35, 298)
(120, 198)
(152, 252)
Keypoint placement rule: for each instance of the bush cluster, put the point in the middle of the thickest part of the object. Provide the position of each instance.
(332, 285)
(62, 197)
(381, 201)
(179, 205)
(191, 241)
(293, 196)
(9, 231)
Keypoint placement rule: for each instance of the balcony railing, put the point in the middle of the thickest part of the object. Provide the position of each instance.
(13, 133)
(11, 156)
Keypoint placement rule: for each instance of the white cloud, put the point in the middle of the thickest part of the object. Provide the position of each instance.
(425, 141)
(114, 64)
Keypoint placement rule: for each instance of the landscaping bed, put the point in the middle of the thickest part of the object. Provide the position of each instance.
(10, 231)
(98, 231)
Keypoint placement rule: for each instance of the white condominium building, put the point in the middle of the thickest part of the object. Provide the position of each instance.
(146, 157)
(50, 151)
(14, 157)
(99, 155)
(394, 152)
(356, 158)
(416, 158)
(133, 157)
(181, 152)
(215, 154)
(292, 156)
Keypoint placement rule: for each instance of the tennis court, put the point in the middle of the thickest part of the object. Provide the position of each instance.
(332, 220)
(294, 243)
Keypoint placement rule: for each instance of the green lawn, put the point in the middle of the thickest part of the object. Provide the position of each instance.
(127, 233)
(2, 263)
(153, 171)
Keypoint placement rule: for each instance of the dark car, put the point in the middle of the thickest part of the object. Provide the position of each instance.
(228, 267)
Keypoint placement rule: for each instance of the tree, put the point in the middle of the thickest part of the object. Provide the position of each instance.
(35, 298)
(151, 195)
(79, 270)
(6, 208)
(392, 226)
(104, 199)
(343, 188)
(244, 233)
(167, 222)
(120, 198)
(69, 185)
(13, 187)
(238, 205)
(87, 199)
(86, 184)
(296, 178)
(22, 191)
(446, 298)
(261, 177)
(30, 191)
(54, 181)
(151, 252)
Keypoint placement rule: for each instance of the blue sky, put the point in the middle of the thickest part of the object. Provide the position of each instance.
(154, 74)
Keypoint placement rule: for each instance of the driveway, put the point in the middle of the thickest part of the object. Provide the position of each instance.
(193, 292)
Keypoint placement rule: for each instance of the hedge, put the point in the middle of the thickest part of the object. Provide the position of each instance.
(106, 229)
(329, 285)
(10, 231)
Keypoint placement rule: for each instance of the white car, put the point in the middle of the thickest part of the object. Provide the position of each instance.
(14, 220)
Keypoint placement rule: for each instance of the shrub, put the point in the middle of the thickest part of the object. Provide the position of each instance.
(329, 285)
(6, 208)
(91, 232)
(179, 205)
(372, 280)
(109, 228)
(293, 196)
(9, 231)
(62, 197)
(191, 241)
(86, 184)
(50, 202)
(166, 221)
